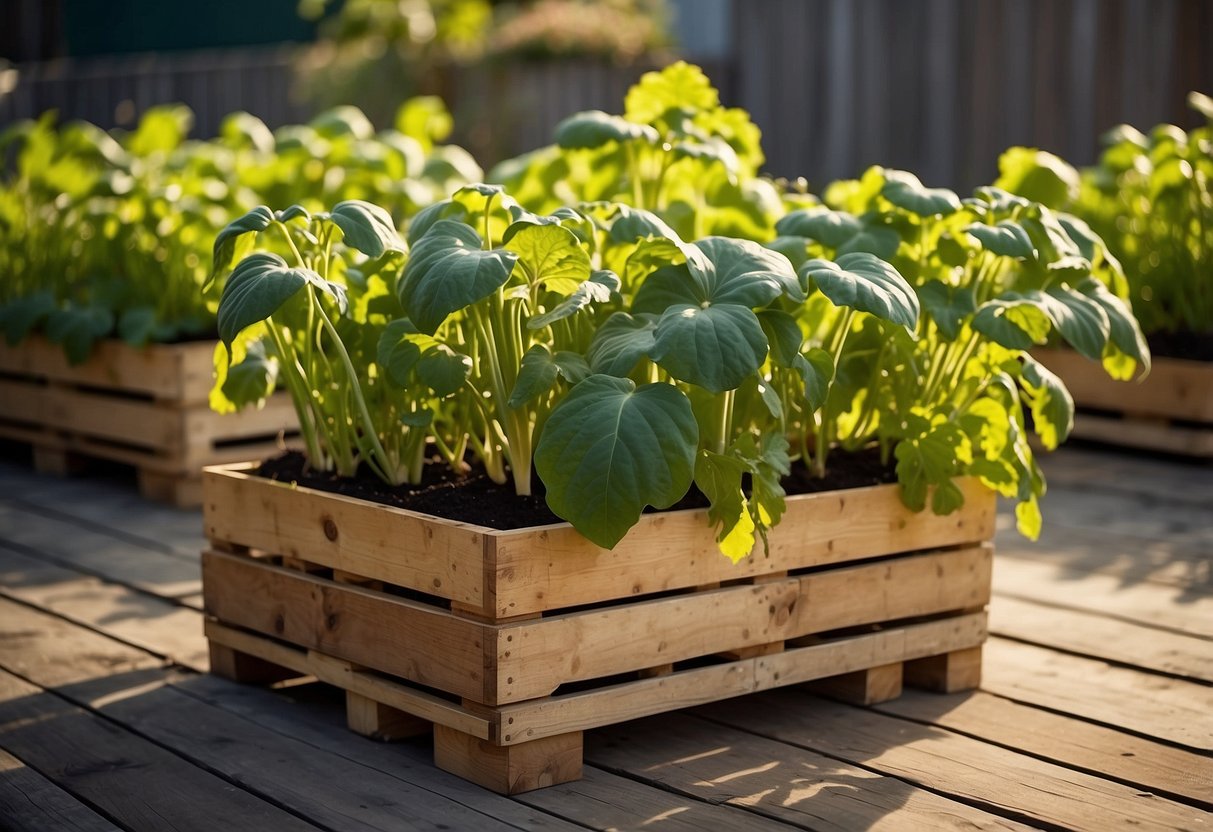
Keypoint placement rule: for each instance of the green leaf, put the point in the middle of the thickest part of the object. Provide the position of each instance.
(948, 306)
(1028, 519)
(1052, 405)
(1079, 318)
(406, 354)
(344, 120)
(783, 335)
(161, 129)
(679, 85)
(258, 286)
(366, 227)
(719, 477)
(252, 379)
(598, 289)
(714, 347)
(1125, 332)
(540, 369)
(876, 240)
(931, 459)
(137, 325)
(609, 449)
(448, 270)
(621, 342)
(867, 284)
(1007, 239)
(20, 317)
(425, 119)
(816, 368)
(631, 224)
(77, 328)
(1037, 175)
(832, 228)
(904, 190)
(551, 255)
(595, 128)
(1014, 322)
(728, 271)
(255, 221)
(443, 370)
(947, 498)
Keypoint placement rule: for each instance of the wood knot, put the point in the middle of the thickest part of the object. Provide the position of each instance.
(330, 528)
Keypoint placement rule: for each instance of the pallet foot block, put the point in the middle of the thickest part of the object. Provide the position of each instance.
(513, 643)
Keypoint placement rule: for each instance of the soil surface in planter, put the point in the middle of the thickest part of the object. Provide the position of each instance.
(474, 498)
(1193, 346)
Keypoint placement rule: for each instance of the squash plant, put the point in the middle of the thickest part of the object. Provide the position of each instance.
(591, 346)
(107, 235)
(994, 275)
(675, 151)
(1150, 198)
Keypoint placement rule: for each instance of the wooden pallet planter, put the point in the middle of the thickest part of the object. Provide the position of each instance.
(1170, 410)
(141, 407)
(512, 643)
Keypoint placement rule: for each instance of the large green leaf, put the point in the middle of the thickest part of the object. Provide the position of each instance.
(1125, 332)
(609, 449)
(729, 271)
(253, 222)
(448, 270)
(540, 369)
(631, 224)
(621, 342)
(1052, 405)
(252, 379)
(904, 190)
(865, 283)
(1013, 321)
(719, 477)
(1081, 320)
(783, 335)
(595, 128)
(833, 228)
(949, 306)
(714, 347)
(258, 286)
(551, 255)
(366, 227)
(1007, 238)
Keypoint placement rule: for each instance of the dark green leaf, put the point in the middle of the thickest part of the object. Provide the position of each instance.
(783, 335)
(1052, 405)
(714, 347)
(816, 368)
(1014, 322)
(904, 190)
(253, 222)
(598, 289)
(137, 325)
(251, 380)
(20, 317)
(719, 477)
(448, 270)
(595, 128)
(865, 283)
(366, 227)
(258, 286)
(77, 328)
(1007, 239)
(621, 342)
(832, 228)
(609, 449)
(949, 306)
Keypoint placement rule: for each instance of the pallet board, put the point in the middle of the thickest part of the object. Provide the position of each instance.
(146, 407)
(1170, 410)
(512, 664)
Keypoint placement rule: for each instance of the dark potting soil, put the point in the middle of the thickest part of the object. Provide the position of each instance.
(1194, 346)
(474, 498)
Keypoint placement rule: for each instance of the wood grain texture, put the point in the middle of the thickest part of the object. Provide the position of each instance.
(509, 769)
(1175, 388)
(997, 779)
(31, 803)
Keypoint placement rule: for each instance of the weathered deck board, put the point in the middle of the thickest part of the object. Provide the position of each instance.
(99, 589)
(998, 779)
(1095, 749)
(1097, 636)
(1173, 710)
(725, 765)
(31, 803)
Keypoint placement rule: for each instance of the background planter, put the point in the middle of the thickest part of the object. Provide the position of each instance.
(1169, 410)
(514, 642)
(142, 407)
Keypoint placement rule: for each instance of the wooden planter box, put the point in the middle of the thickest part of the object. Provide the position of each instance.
(141, 407)
(512, 643)
(1170, 410)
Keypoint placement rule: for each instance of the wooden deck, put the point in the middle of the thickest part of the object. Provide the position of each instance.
(1096, 710)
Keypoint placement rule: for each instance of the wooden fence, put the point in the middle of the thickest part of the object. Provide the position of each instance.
(941, 87)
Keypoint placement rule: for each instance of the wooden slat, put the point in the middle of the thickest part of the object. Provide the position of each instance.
(997, 779)
(1095, 749)
(1175, 388)
(444, 559)
(1096, 636)
(717, 764)
(546, 653)
(1169, 709)
(1145, 435)
(1155, 605)
(31, 803)
(414, 641)
(686, 688)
